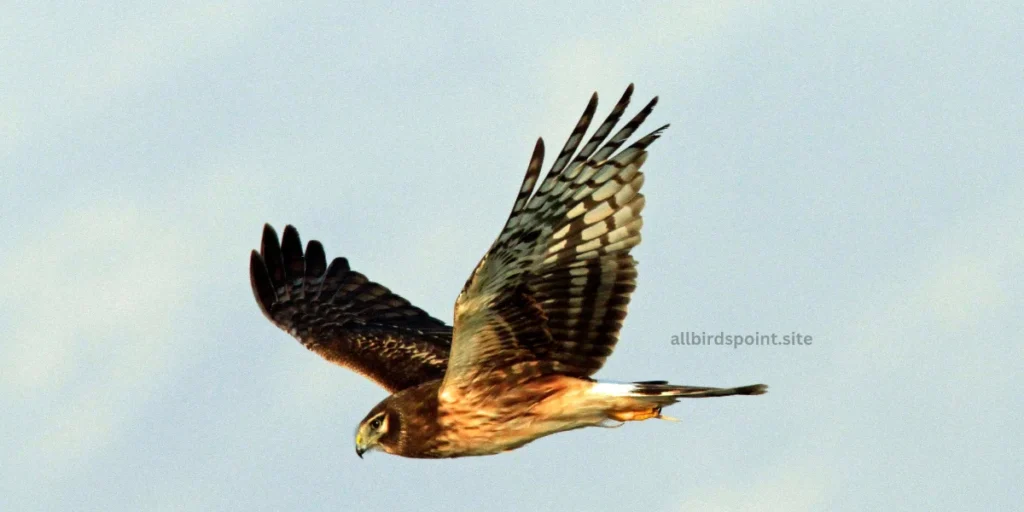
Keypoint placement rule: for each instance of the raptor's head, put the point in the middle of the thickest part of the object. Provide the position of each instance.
(380, 429)
(404, 423)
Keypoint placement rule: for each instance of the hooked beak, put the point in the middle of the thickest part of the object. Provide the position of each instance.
(360, 447)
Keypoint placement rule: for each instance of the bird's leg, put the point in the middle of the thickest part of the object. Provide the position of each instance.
(635, 415)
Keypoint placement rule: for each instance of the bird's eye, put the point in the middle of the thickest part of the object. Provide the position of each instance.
(376, 423)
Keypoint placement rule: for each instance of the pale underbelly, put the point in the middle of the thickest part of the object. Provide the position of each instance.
(482, 432)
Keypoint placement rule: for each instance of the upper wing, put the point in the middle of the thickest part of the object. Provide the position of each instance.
(345, 317)
(554, 286)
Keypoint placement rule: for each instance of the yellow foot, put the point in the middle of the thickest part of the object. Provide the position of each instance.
(635, 415)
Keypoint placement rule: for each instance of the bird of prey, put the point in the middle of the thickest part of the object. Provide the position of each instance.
(535, 320)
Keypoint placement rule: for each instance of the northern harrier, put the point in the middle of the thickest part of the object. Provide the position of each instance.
(538, 316)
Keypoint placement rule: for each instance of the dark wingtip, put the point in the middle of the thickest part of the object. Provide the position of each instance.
(262, 286)
(269, 234)
(649, 139)
(626, 96)
(338, 265)
(270, 249)
(316, 259)
(254, 260)
(291, 253)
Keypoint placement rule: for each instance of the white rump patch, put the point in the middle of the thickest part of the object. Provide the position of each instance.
(609, 388)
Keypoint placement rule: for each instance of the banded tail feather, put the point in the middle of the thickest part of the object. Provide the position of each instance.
(662, 389)
(637, 401)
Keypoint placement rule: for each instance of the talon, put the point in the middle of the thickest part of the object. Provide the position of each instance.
(636, 415)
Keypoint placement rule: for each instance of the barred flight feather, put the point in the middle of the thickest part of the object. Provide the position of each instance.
(566, 247)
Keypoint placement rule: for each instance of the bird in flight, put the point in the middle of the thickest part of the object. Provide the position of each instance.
(536, 319)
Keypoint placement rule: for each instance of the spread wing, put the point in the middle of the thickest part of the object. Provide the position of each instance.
(554, 286)
(343, 316)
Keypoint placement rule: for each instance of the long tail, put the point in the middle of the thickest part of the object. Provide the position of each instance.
(664, 389)
(644, 400)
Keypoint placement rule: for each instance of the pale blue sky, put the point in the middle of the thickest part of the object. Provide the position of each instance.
(852, 172)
